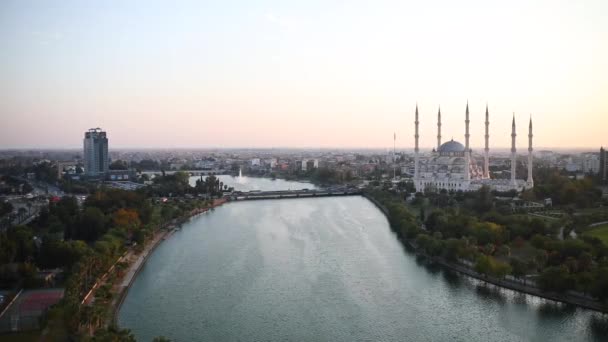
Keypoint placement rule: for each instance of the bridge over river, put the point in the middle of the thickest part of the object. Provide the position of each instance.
(286, 194)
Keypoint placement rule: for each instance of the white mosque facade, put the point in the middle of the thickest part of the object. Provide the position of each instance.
(451, 167)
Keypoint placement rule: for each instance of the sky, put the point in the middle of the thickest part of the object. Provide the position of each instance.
(301, 74)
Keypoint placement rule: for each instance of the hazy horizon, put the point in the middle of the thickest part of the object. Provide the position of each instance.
(407, 149)
(319, 74)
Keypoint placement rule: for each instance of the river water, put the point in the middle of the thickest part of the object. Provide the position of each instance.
(245, 183)
(324, 269)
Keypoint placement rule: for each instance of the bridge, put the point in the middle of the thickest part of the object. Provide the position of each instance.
(190, 172)
(287, 194)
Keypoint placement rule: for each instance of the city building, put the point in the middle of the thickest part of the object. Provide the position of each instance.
(603, 166)
(591, 163)
(451, 167)
(96, 161)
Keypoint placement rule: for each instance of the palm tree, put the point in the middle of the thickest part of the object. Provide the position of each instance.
(98, 314)
(85, 318)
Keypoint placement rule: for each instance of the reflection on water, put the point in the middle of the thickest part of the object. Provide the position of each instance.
(551, 309)
(325, 269)
(599, 327)
(490, 292)
(244, 183)
(453, 279)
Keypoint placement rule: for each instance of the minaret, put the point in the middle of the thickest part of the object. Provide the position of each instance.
(513, 150)
(439, 129)
(530, 158)
(466, 134)
(486, 156)
(467, 150)
(416, 150)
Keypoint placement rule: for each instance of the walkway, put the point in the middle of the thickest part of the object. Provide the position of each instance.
(260, 195)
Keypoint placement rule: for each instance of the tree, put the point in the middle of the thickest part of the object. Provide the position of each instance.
(436, 220)
(483, 200)
(556, 279)
(487, 265)
(127, 219)
(488, 232)
(584, 281)
(90, 226)
(584, 261)
(454, 248)
(599, 287)
(5, 208)
(167, 212)
(518, 268)
(22, 236)
(483, 266)
(21, 213)
(119, 165)
(113, 334)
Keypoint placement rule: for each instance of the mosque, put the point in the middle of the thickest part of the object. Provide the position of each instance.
(451, 167)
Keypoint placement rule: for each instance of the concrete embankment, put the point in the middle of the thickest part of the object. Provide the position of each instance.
(133, 271)
(567, 298)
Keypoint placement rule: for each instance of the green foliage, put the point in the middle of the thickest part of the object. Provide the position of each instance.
(90, 225)
(45, 172)
(556, 278)
(600, 232)
(488, 232)
(57, 253)
(113, 334)
(77, 187)
(454, 249)
(484, 200)
(119, 165)
(5, 208)
(210, 185)
(518, 268)
(487, 265)
(110, 200)
(565, 191)
(528, 243)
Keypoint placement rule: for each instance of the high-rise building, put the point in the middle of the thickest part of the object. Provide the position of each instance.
(95, 152)
(603, 166)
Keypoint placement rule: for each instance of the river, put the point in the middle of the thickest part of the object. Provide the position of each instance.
(324, 269)
(244, 183)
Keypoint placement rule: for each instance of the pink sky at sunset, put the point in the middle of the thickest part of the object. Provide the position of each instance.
(319, 74)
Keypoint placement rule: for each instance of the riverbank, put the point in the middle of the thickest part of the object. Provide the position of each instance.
(568, 298)
(122, 286)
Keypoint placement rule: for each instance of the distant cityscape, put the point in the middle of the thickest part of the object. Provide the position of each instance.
(98, 162)
(303, 171)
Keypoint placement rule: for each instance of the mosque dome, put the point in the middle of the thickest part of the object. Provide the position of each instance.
(451, 146)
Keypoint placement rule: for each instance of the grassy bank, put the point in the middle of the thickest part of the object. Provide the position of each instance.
(600, 232)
